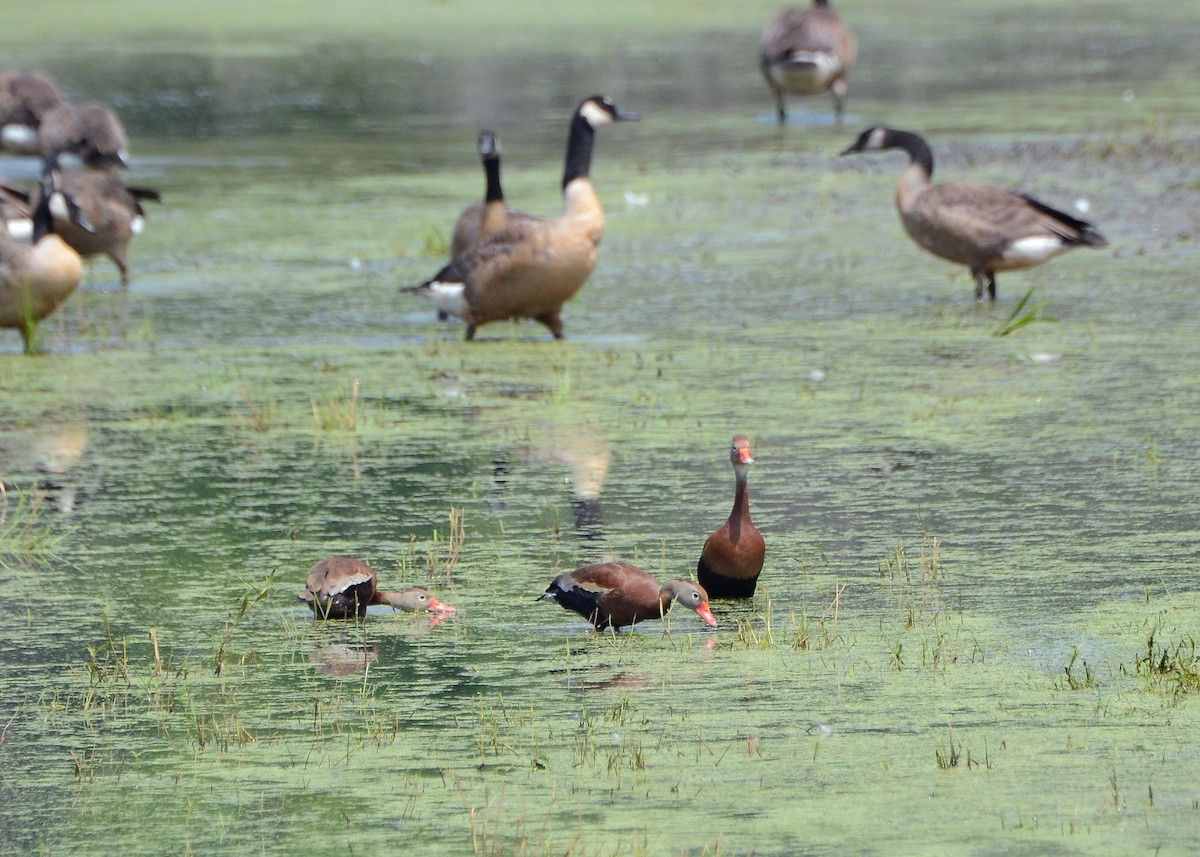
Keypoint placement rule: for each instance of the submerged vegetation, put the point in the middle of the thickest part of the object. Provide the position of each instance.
(979, 595)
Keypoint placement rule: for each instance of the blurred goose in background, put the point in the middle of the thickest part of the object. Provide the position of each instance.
(986, 228)
(113, 212)
(91, 132)
(483, 219)
(25, 97)
(36, 278)
(804, 51)
(531, 267)
(480, 220)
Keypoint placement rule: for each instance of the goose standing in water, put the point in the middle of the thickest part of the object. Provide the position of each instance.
(804, 51)
(36, 278)
(91, 132)
(986, 228)
(25, 97)
(476, 223)
(112, 209)
(531, 267)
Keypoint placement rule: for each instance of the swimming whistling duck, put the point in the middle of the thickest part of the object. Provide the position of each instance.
(806, 50)
(25, 97)
(339, 587)
(35, 278)
(91, 132)
(531, 267)
(733, 556)
(986, 228)
(113, 210)
(615, 594)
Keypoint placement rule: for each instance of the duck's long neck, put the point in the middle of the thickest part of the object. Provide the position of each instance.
(918, 176)
(741, 497)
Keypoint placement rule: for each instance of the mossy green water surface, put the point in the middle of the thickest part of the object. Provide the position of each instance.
(975, 631)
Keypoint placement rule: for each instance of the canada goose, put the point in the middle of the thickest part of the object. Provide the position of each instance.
(531, 267)
(806, 50)
(480, 220)
(986, 228)
(485, 218)
(91, 132)
(35, 278)
(113, 212)
(25, 97)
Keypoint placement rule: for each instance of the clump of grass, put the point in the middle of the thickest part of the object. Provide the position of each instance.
(1020, 317)
(436, 243)
(1170, 666)
(23, 534)
(1073, 679)
(952, 753)
(442, 557)
(821, 633)
(249, 600)
(337, 412)
(258, 418)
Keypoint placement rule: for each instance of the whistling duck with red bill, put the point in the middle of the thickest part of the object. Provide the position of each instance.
(732, 558)
(339, 587)
(616, 594)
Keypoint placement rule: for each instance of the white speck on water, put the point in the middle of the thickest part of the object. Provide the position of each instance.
(816, 375)
(1128, 95)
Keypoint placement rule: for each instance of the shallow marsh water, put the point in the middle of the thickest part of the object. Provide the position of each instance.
(953, 518)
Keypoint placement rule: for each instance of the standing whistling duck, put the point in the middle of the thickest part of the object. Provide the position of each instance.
(733, 556)
(986, 228)
(35, 278)
(615, 594)
(339, 587)
(806, 50)
(531, 267)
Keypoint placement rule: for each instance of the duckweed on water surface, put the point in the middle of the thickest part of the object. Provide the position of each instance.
(975, 630)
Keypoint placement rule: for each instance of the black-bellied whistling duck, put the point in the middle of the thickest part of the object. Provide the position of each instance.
(615, 594)
(732, 557)
(806, 50)
(986, 228)
(339, 587)
(531, 267)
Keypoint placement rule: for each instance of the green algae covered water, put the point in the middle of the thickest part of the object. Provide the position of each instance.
(975, 631)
